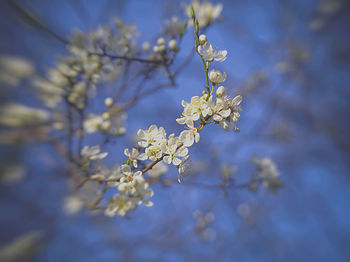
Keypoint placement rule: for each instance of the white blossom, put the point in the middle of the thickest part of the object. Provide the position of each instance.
(220, 110)
(152, 136)
(226, 112)
(216, 77)
(188, 137)
(129, 179)
(134, 156)
(209, 54)
(154, 152)
(193, 110)
(173, 151)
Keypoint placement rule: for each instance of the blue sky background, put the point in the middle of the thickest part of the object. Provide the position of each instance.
(308, 219)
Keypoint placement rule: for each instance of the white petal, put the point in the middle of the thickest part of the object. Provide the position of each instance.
(141, 133)
(134, 152)
(167, 159)
(197, 136)
(237, 100)
(181, 120)
(126, 152)
(182, 152)
(142, 156)
(225, 113)
(217, 118)
(142, 143)
(176, 161)
(224, 125)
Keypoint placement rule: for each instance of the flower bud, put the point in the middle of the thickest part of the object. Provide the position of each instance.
(108, 101)
(202, 39)
(105, 125)
(156, 49)
(172, 44)
(162, 48)
(105, 115)
(161, 41)
(221, 91)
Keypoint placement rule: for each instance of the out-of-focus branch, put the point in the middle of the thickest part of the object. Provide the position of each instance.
(36, 21)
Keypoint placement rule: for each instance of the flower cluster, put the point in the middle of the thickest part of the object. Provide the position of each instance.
(206, 12)
(17, 115)
(203, 223)
(108, 122)
(155, 145)
(224, 110)
(268, 173)
(133, 191)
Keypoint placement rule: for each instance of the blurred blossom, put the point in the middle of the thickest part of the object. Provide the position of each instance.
(243, 210)
(227, 172)
(203, 222)
(205, 12)
(14, 69)
(158, 170)
(12, 174)
(17, 115)
(72, 205)
(173, 27)
(268, 173)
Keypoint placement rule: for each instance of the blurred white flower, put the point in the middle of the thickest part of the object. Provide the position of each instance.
(158, 170)
(72, 205)
(146, 46)
(205, 12)
(93, 123)
(268, 172)
(172, 44)
(93, 153)
(14, 69)
(109, 101)
(17, 115)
